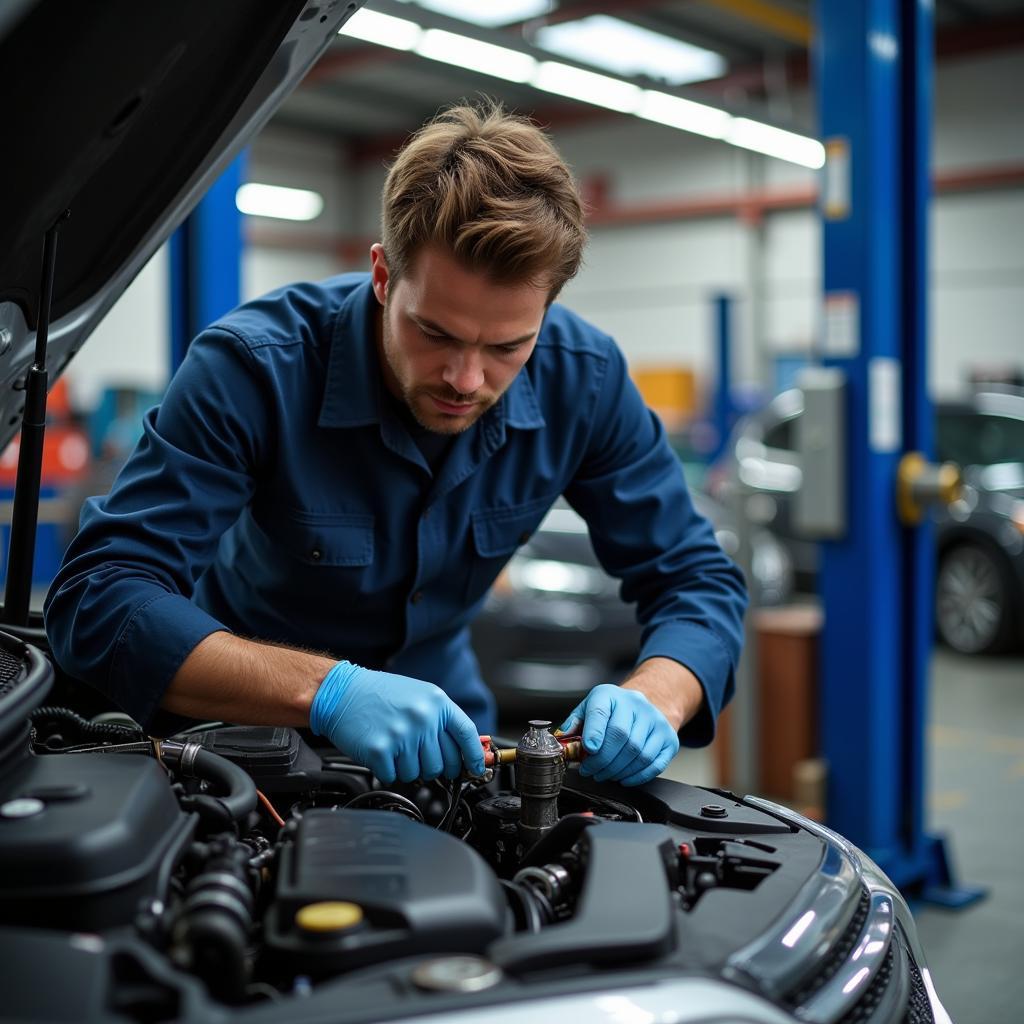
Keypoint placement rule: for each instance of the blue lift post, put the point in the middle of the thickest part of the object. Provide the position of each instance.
(874, 68)
(206, 262)
(722, 407)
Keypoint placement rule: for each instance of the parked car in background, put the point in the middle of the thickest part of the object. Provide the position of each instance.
(979, 599)
(554, 625)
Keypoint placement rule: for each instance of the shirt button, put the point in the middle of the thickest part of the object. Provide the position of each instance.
(524, 536)
(417, 596)
(315, 554)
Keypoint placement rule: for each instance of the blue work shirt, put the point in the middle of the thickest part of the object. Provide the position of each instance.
(277, 493)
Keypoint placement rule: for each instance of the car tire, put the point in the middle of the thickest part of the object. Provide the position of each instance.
(973, 601)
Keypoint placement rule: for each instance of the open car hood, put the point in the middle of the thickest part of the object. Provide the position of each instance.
(130, 115)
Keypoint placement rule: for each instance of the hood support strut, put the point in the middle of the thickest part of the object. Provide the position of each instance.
(25, 516)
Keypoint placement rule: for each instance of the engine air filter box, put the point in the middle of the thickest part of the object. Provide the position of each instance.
(276, 758)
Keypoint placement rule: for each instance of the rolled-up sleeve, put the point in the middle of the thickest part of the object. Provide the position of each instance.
(690, 596)
(118, 614)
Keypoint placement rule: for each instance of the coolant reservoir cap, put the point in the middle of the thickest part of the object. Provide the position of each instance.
(328, 917)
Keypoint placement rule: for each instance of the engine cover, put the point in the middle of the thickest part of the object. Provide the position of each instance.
(84, 837)
(420, 891)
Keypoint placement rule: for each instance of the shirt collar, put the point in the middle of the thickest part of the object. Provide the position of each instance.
(354, 376)
(351, 397)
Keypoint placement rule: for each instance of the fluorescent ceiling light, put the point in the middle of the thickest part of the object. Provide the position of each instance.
(488, 12)
(587, 86)
(628, 50)
(679, 113)
(382, 29)
(575, 83)
(763, 138)
(475, 55)
(276, 201)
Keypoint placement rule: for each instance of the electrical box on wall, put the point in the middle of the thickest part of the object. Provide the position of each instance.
(820, 510)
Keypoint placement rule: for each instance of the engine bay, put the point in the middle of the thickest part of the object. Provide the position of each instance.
(236, 867)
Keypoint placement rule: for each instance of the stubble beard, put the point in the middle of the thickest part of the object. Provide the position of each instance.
(416, 398)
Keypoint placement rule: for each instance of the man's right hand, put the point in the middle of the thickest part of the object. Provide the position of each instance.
(396, 726)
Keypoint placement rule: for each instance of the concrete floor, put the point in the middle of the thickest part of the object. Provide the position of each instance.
(976, 798)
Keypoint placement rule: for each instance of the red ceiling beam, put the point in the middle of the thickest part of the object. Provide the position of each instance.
(749, 207)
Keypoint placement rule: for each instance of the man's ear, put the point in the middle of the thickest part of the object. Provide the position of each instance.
(379, 275)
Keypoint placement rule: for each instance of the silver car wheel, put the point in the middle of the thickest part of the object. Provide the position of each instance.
(970, 601)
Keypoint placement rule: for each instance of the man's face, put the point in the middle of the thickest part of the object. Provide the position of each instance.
(451, 340)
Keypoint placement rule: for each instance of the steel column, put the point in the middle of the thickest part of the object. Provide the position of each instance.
(206, 262)
(722, 406)
(874, 76)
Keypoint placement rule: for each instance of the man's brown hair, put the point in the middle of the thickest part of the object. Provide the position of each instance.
(490, 187)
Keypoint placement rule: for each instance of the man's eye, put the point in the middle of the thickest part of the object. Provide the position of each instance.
(509, 350)
(432, 337)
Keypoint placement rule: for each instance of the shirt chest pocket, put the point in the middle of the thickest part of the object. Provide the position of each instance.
(335, 540)
(496, 534)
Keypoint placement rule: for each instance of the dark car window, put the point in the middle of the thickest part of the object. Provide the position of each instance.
(977, 439)
(781, 435)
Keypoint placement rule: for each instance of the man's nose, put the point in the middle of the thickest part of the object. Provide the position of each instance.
(465, 371)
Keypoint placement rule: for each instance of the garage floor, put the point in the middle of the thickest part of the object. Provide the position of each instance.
(977, 799)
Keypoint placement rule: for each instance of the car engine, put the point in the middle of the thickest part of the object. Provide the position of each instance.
(241, 869)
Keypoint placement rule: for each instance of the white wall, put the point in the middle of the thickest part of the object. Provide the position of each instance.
(131, 345)
(651, 285)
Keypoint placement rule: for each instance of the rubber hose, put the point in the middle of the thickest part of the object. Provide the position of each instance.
(105, 729)
(238, 791)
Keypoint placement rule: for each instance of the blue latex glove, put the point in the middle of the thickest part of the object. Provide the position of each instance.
(626, 737)
(396, 726)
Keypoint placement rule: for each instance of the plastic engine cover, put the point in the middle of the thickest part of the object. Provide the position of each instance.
(420, 891)
(84, 837)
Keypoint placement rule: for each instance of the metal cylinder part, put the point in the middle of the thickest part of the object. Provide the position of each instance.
(540, 768)
(921, 484)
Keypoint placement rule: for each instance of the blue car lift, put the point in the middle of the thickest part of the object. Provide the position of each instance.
(723, 412)
(205, 258)
(874, 73)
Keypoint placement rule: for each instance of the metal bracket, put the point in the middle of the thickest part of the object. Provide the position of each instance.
(921, 484)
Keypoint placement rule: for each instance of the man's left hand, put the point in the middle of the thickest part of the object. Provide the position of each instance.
(630, 731)
(626, 737)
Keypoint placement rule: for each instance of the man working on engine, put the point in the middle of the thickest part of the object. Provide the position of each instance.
(345, 467)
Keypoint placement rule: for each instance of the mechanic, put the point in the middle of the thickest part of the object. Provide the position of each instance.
(346, 466)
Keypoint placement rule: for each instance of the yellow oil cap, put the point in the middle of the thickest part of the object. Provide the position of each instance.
(328, 917)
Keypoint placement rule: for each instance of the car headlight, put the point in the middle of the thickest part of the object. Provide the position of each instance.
(772, 568)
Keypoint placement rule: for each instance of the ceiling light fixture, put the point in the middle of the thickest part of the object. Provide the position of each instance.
(626, 49)
(382, 29)
(586, 86)
(491, 13)
(475, 55)
(677, 112)
(260, 200)
(765, 138)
